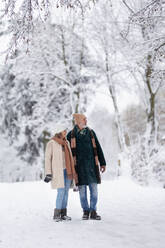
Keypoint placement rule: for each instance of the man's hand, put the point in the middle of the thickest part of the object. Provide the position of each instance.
(48, 178)
(102, 168)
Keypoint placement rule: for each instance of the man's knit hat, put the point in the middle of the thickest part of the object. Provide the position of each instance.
(78, 117)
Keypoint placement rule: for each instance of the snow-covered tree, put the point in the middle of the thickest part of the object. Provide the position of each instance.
(144, 44)
(105, 40)
(134, 119)
(44, 87)
(69, 51)
(22, 16)
(145, 24)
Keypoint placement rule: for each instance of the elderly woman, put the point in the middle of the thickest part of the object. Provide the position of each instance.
(59, 169)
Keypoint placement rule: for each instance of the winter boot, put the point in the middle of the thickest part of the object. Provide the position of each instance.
(64, 214)
(85, 215)
(57, 215)
(94, 215)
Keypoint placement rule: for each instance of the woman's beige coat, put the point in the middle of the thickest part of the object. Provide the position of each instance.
(54, 164)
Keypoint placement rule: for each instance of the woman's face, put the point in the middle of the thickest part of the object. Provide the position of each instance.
(63, 133)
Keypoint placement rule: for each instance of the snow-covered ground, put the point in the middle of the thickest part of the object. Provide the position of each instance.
(132, 217)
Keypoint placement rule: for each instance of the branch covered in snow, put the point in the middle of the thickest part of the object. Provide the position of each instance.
(23, 14)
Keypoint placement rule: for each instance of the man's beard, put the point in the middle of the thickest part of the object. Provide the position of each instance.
(83, 126)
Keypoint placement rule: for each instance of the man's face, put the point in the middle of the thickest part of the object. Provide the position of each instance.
(83, 122)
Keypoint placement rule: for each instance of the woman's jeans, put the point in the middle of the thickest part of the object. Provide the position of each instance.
(93, 196)
(62, 193)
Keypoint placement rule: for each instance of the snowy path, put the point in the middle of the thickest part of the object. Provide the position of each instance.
(132, 217)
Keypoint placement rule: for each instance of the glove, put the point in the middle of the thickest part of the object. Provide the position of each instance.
(102, 168)
(48, 178)
(75, 189)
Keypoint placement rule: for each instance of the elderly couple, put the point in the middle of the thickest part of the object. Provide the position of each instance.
(78, 162)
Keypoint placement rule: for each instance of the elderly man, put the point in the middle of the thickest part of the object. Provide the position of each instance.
(89, 161)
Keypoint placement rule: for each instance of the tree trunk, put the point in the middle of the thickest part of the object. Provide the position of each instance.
(151, 118)
(118, 123)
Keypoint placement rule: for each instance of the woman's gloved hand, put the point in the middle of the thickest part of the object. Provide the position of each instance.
(48, 178)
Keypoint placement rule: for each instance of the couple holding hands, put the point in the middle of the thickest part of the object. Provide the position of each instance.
(76, 159)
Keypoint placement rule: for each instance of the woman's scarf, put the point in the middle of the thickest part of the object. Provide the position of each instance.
(71, 173)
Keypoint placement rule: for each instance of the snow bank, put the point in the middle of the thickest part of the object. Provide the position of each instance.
(132, 217)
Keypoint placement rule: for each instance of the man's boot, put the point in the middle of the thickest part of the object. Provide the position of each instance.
(94, 215)
(57, 215)
(85, 215)
(64, 214)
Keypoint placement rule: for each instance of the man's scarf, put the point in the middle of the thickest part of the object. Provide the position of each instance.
(71, 173)
(73, 148)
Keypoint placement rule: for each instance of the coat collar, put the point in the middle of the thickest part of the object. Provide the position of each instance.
(82, 132)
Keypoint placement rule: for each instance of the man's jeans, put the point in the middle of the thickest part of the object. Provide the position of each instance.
(93, 196)
(62, 193)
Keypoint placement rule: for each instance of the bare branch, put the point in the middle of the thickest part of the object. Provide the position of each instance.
(128, 7)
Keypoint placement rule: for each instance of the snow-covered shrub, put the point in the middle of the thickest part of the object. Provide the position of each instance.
(148, 162)
(158, 165)
(139, 164)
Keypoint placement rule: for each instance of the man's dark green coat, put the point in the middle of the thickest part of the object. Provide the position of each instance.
(85, 158)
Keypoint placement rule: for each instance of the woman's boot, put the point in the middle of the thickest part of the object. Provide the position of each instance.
(57, 215)
(64, 214)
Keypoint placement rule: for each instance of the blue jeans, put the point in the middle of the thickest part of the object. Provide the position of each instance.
(93, 196)
(62, 193)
